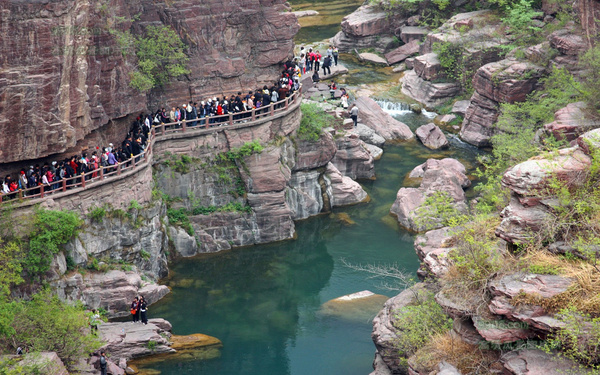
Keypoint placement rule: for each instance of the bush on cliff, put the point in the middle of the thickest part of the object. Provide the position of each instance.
(418, 323)
(160, 58)
(314, 119)
(515, 138)
(49, 231)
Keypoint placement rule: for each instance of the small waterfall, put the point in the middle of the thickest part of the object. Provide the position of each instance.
(394, 108)
(398, 109)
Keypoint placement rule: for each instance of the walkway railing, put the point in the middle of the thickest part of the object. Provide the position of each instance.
(76, 184)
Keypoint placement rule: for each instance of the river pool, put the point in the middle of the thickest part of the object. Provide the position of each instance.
(265, 302)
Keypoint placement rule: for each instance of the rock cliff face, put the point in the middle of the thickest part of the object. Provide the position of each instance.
(64, 79)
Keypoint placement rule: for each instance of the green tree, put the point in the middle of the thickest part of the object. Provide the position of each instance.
(46, 323)
(50, 230)
(161, 57)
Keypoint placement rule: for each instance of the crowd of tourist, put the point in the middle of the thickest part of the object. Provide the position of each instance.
(51, 175)
(313, 60)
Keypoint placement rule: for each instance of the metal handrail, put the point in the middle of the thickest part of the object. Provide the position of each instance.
(75, 184)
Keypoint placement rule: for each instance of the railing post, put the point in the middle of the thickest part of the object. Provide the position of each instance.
(82, 179)
(20, 194)
(287, 100)
(118, 168)
(64, 184)
(206, 122)
(230, 118)
(162, 129)
(101, 172)
(183, 126)
(42, 191)
(253, 114)
(272, 109)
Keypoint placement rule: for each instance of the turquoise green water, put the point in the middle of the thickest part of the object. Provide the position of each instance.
(327, 23)
(263, 302)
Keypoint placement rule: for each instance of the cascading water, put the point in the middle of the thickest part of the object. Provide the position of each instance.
(400, 109)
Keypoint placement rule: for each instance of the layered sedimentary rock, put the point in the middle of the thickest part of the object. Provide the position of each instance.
(364, 28)
(64, 76)
(446, 176)
(505, 81)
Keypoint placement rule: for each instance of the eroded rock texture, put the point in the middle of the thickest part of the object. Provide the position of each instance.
(64, 77)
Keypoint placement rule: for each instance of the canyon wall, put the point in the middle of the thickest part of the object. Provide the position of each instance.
(64, 82)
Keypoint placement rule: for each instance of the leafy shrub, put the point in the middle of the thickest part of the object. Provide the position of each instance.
(579, 339)
(50, 230)
(314, 119)
(439, 210)
(160, 57)
(97, 214)
(134, 205)
(515, 135)
(237, 154)
(180, 217)
(47, 323)
(10, 267)
(475, 256)
(418, 323)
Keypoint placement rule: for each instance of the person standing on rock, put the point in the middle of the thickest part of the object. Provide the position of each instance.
(336, 54)
(327, 66)
(143, 309)
(134, 310)
(354, 114)
(103, 363)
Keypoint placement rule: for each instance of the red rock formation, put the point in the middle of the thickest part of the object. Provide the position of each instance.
(64, 78)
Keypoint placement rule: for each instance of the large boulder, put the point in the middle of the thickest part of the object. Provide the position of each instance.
(431, 136)
(371, 115)
(428, 66)
(505, 289)
(531, 176)
(367, 27)
(571, 121)
(445, 176)
(384, 333)
(432, 248)
(112, 291)
(342, 190)
(352, 158)
(368, 135)
(401, 53)
(504, 81)
(312, 155)
(538, 362)
(428, 93)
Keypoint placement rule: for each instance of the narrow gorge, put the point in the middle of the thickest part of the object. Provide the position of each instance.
(452, 231)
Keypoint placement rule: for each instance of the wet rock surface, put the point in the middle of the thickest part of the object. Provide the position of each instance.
(371, 115)
(431, 136)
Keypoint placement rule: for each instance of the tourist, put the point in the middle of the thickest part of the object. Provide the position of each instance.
(143, 309)
(354, 114)
(302, 64)
(94, 321)
(344, 101)
(317, 61)
(134, 310)
(335, 54)
(315, 77)
(327, 66)
(103, 363)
